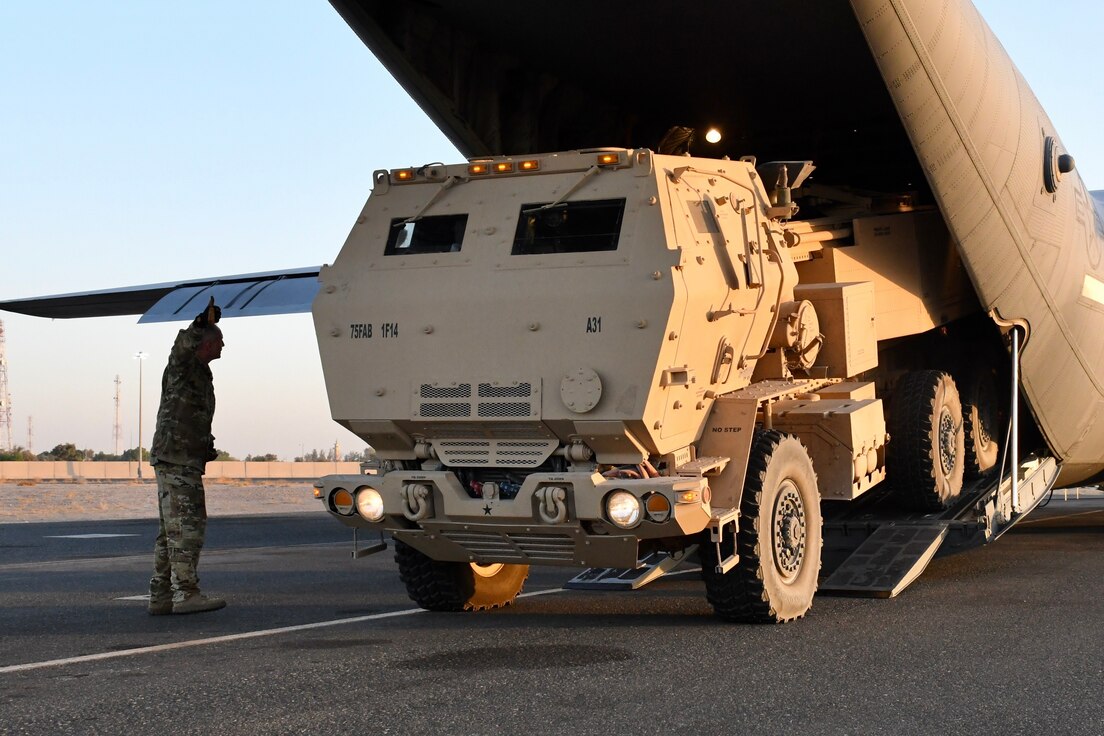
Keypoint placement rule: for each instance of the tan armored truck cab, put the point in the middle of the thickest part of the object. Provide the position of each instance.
(588, 357)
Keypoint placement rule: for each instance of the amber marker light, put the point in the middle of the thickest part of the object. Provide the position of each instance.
(609, 159)
(688, 496)
(657, 507)
(530, 165)
(403, 174)
(342, 502)
(504, 167)
(478, 169)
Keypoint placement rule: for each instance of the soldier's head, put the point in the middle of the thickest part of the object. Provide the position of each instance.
(210, 344)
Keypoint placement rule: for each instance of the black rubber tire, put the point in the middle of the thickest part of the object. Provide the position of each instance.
(775, 578)
(456, 586)
(980, 423)
(926, 452)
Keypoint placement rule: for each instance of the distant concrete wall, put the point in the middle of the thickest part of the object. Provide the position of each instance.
(278, 470)
(70, 470)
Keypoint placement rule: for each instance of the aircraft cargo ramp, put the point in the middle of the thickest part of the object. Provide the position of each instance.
(875, 549)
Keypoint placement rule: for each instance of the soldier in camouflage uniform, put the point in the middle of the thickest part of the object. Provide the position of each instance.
(182, 445)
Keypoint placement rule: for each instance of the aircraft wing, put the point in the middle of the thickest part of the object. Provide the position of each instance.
(243, 295)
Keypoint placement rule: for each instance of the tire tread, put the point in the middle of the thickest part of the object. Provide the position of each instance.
(740, 595)
(910, 447)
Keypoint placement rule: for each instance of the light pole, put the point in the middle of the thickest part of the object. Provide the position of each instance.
(140, 356)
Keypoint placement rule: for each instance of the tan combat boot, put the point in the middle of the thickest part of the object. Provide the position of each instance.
(198, 603)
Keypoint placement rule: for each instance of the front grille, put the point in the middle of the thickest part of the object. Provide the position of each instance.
(521, 390)
(493, 453)
(518, 400)
(506, 409)
(437, 410)
(461, 391)
(523, 547)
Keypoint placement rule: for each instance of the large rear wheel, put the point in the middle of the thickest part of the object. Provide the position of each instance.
(457, 586)
(927, 441)
(778, 541)
(980, 421)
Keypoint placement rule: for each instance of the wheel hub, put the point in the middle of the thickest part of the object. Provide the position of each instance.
(789, 527)
(947, 433)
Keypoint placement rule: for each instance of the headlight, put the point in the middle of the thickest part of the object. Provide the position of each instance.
(341, 501)
(369, 503)
(623, 509)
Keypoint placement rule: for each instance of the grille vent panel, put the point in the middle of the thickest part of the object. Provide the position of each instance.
(514, 546)
(494, 453)
(504, 409)
(502, 400)
(437, 410)
(521, 390)
(462, 391)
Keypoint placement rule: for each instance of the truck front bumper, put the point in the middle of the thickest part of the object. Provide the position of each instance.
(555, 519)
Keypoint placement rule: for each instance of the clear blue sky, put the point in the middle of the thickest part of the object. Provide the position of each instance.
(149, 141)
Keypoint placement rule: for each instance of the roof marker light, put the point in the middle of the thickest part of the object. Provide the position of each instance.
(478, 169)
(504, 167)
(609, 159)
(403, 174)
(529, 165)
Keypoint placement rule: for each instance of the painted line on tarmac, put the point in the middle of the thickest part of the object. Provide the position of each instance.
(1063, 516)
(86, 536)
(227, 638)
(148, 556)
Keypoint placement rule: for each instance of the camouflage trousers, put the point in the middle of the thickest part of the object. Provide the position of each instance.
(183, 513)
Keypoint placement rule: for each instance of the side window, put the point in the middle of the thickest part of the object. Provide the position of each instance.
(569, 227)
(435, 234)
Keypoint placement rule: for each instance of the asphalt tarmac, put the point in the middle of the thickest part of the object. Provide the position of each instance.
(1006, 639)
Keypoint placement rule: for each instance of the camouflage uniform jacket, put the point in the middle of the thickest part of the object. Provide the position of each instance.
(183, 434)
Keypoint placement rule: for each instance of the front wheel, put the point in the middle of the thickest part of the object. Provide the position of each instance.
(778, 541)
(457, 586)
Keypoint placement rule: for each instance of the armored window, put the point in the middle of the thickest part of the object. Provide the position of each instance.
(569, 227)
(435, 234)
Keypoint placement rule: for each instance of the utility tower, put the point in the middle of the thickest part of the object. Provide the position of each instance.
(7, 437)
(117, 431)
(30, 433)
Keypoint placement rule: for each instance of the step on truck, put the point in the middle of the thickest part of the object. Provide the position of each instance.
(613, 360)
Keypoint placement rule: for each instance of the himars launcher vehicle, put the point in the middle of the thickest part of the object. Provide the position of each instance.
(618, 346)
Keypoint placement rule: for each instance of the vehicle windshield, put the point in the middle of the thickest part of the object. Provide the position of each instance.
(433, 234)
(569, 227)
